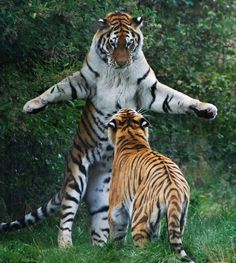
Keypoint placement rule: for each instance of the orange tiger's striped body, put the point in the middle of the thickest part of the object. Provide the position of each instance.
(145, 185)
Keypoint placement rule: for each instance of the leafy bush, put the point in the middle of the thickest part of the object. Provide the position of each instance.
(189, 44)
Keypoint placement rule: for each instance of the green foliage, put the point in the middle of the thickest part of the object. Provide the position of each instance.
(189, 44)
(209, 237)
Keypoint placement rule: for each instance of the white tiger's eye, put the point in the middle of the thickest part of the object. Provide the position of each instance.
(112, 42)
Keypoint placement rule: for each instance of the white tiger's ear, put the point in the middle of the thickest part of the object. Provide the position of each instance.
(137, 21)
(112, 125)
(102, 23)
(144, 123)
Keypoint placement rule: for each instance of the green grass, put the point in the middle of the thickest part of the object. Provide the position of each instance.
(210, 236)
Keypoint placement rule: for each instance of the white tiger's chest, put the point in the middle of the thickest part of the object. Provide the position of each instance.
(115, 89)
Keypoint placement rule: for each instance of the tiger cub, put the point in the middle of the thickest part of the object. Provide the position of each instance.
(145, 185)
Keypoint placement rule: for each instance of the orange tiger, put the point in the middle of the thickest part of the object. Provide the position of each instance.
(145, 185)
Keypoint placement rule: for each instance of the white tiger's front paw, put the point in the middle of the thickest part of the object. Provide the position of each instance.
(64, 239)
(204, 110)
(35, 105)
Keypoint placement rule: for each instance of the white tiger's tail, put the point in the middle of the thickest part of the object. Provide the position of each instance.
(34, 217)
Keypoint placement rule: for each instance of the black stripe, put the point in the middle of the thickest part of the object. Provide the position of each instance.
(52, 90)
(85, 80)
(78, 162)
(165, 106)
(77, 147)
(118, 106)
(44, 211)
(73, 90)
(109, 148)
(88, 131)
(16, 226)
(93, 233)
(143, 77)
(153, 89)
(82, 168)
(97, 121)
(98, 240)
(105, 230)
(68, 220)
(86, 146)
(65, 228)
(36, 216)
(100, 210)
(75, 186)
(91, 69)
(71, 198)
(107, 180)
(67, 214)
(81, 183)
(91, 127)
(98, 111)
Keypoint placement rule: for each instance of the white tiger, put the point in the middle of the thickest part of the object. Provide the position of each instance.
(115, 75)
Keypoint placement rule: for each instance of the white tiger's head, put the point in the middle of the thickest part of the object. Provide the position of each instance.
(119, 39)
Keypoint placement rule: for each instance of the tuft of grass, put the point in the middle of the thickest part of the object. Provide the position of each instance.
(210, 237)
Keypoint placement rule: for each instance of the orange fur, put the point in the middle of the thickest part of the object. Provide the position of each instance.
(145, 185)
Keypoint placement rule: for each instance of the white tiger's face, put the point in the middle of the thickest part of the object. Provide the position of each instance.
(127, 121)
(119, 39)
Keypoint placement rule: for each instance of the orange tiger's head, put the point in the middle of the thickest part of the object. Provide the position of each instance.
(127, 122)
(119, 39)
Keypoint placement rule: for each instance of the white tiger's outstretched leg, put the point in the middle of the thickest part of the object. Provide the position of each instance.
(74, 189)
(72, 87)
(97, 200)
(161, 98)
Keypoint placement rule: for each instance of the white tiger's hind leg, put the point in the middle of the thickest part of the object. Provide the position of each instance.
(118, 218)
(74, 189)
(97, 200)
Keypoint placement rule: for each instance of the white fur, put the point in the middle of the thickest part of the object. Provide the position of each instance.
(108, 88)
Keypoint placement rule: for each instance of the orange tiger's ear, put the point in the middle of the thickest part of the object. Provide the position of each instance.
(102, 24)
(112, 125)
(144, 123)
(137, 21)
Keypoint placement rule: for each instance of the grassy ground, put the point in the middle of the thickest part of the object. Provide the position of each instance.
(210, 236)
